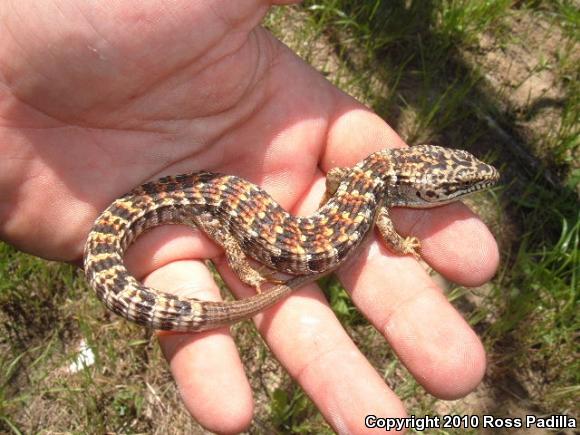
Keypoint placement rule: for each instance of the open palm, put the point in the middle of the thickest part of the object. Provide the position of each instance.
(97, 98)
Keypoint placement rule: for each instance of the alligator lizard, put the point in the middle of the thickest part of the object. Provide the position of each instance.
(248, 224)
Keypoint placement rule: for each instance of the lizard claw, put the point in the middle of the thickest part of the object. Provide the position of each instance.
(411, 245)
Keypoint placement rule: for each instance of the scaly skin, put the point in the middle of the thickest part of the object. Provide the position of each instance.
(248, 223)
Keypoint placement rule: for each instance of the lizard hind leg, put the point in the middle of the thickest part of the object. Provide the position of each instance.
(235, 255)
(397, 243)
(269, 274)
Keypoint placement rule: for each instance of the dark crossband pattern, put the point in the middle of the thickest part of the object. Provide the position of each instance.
(249, 225)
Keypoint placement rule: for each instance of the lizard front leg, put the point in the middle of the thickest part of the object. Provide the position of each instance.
(333, 179)
(396, 242)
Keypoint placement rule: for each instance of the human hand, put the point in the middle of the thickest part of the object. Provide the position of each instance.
(96, 99)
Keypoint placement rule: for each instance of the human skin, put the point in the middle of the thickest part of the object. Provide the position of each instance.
(98, 97)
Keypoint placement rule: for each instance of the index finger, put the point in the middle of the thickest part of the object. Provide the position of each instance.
(455, 242)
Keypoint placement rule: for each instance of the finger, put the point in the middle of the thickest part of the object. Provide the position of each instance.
(454, 241)
(166, 244)
(430, 337)
(403, 303)
(355, 134)
(206, 366)
(305, 336)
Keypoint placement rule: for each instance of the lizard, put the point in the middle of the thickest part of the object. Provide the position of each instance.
(251, 226)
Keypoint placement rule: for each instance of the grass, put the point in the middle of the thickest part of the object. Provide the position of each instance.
(535, 302)
(427, 68)
(46, 312)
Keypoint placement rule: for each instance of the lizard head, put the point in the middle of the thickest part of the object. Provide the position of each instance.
(428, 176)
